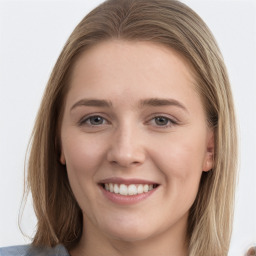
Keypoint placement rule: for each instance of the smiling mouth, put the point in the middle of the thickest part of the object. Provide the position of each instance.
(128, 190)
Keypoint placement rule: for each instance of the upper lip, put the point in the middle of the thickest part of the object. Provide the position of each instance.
(117, 180)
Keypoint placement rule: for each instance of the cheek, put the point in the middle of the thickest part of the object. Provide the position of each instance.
(181, 156)
(83, 154)
(181, 160)
(182, 166)
(83, 157)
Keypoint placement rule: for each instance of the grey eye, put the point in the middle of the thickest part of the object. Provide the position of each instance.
(161, 120)
(95, 120)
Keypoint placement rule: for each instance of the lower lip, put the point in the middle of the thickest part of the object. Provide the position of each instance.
(126, 200)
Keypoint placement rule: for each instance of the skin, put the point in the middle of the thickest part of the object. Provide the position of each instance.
(128, 142)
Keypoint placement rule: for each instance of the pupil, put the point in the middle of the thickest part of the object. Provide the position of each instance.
(96, 120)
(161, 120)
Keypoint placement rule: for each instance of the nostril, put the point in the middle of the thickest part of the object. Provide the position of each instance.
(125, 163)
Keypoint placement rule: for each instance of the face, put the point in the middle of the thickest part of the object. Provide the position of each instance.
(134, 139)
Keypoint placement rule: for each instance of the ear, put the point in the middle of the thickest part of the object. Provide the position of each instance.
(62, 158)
(58, 146)
(209, 155)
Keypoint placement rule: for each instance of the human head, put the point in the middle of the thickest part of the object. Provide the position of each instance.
(174, 25)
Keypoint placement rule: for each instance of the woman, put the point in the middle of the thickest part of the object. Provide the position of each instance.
(135, 141)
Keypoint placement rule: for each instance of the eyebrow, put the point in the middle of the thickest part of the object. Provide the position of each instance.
(153, 102)
(92, 103)
(156, 102)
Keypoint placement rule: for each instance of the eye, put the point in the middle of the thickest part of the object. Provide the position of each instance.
(162, 121)
(93, 121)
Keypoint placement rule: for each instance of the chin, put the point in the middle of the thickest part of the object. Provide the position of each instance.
(128, 236)
(129, 233)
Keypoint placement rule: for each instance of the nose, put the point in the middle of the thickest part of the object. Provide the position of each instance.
(126, 147)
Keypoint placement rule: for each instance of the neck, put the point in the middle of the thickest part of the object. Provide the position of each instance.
(170, 242)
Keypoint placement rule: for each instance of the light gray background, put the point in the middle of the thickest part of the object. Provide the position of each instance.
(32, 34)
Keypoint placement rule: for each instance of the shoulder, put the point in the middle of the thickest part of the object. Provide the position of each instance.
(28, 250)
(19, 250)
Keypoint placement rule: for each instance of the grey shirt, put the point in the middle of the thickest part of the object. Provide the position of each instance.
(28, 250)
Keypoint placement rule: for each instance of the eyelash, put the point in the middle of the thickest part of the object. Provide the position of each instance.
(170, 122)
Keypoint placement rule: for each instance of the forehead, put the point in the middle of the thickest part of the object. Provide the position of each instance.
(146, 53)
(120, 65)
(125, 73)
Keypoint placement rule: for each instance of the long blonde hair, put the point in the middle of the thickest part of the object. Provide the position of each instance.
(170, 23)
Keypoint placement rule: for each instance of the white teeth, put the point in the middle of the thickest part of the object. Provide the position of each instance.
(123, 190)
(140, 189)
(116, 189)
(111, 187)
(145, 188)
(132, 189)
